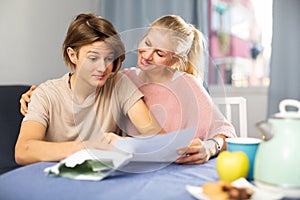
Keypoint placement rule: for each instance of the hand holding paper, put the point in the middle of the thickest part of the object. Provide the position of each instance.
(92, 164)
(155, 148)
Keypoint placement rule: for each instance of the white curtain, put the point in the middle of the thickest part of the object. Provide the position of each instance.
(285, 58)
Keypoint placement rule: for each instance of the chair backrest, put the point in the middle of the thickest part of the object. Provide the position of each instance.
(10, 120)
(235, 111)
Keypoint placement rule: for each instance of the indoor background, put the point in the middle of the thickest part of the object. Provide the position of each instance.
(32, 32)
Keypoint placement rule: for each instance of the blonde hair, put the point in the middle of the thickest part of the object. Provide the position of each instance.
(190, 43)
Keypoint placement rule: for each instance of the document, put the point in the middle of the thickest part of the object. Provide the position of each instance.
(155, 148)
(93, 164)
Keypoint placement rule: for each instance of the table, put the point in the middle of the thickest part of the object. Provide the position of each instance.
(31, 182)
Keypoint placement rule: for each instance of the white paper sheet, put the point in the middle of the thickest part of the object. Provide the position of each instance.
(156, 148)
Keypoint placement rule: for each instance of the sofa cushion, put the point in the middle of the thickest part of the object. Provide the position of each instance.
(10, 120)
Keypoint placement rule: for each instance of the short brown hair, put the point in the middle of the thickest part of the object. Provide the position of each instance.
(90, 28)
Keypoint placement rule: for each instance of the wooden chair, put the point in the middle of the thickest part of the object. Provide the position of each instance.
(230, 106)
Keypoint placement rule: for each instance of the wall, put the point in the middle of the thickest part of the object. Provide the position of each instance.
(31, 35)
(285, 57)
(256, 98)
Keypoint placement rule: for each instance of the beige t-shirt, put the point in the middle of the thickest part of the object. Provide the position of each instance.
(52, 105)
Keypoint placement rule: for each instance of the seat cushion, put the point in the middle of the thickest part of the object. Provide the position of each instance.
(10, 120)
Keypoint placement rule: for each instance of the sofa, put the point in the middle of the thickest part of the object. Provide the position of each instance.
(10, 120)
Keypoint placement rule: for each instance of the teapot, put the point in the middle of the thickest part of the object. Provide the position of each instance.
(277, 161)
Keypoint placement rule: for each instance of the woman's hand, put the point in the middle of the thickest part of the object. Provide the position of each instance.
(196, 153)
(25, 99)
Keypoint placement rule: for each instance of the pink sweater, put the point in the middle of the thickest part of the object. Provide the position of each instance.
(181, 103)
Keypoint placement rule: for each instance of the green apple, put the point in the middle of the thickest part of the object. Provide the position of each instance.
(232, 165)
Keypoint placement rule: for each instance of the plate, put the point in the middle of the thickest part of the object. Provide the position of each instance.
(196, 192)
(259, 194)
(293, 193)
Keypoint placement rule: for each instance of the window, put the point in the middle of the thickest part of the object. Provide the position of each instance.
(240, 33)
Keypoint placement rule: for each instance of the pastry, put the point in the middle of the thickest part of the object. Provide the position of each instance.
(222, 190)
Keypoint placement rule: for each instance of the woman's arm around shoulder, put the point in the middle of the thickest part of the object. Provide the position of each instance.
(143, 120)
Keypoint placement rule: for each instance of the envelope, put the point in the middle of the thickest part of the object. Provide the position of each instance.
(89, 164)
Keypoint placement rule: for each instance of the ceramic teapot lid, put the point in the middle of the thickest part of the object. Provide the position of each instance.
(283, 113)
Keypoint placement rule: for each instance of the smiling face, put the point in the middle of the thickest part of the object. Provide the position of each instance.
(156, 50)
(94, 63)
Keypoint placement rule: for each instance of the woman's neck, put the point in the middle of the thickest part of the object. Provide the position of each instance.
(155, 76)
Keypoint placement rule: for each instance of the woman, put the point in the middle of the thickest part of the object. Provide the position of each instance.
(81, 109)
(170, 60)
